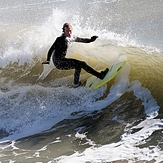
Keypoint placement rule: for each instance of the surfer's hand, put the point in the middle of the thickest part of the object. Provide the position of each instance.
(46, 62)
(93, 38)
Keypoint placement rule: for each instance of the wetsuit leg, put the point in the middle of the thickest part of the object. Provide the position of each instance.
(67, 64)
(89, 69)
(76, 76)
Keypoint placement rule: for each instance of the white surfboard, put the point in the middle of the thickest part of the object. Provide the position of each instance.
(95, 83)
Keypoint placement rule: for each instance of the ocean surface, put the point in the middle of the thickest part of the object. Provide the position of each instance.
(43, 119)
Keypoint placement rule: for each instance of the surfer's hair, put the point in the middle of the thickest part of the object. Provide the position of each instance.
(66, 25)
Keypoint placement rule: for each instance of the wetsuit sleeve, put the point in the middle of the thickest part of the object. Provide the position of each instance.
(50, 52)
(86, 40)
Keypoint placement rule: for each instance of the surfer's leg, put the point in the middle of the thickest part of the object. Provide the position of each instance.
(74, 64)
(76, 77)
(67, 64)
(90, 70)
(78, 65)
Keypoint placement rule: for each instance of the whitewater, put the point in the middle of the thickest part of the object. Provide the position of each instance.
(44, 119)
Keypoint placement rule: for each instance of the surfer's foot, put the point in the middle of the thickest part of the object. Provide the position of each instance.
(103, 73)
(77, 85)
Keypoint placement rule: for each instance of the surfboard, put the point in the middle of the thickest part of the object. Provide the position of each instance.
(95, 83)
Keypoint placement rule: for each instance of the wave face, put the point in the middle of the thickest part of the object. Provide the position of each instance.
(44, 119)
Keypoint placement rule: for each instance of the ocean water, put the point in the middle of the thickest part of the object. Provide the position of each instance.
(43, 119)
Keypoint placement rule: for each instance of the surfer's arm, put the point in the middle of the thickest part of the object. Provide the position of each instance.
(50, 52)
(49, 55)
(86, 40)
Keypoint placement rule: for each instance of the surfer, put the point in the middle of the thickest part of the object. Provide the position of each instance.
(59, 50)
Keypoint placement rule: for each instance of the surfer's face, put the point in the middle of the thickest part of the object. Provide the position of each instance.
(68, 31)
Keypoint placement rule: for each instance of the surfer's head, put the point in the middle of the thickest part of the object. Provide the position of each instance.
(67, 29)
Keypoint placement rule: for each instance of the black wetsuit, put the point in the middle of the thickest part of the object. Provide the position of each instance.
(59, 48)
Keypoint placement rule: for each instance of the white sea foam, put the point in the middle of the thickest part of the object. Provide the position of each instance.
(126, 149)
(35, 105)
